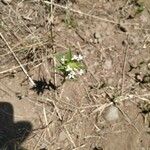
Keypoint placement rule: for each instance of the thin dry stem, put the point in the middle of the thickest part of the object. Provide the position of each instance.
(40, 138)
(124, 69)
(17, 67)
(18, 61)
(128, 119)
(69, 137)
(46, 121)
(56, 108)
(79, 12)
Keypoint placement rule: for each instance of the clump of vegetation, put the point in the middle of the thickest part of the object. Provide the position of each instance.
(139, 8)
(145, 110)
(70, 65)
(70, 21)
(136, 8)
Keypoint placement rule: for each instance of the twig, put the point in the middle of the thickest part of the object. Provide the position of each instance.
(56, 108)
(39, 140)
(18, 61)
(18, 49)
(69, 137)
(128, 119)
(79, 12)
(123, 70)
(95, 17)
(17, 67)
(46, 121)
(78, 148)
(102, 108)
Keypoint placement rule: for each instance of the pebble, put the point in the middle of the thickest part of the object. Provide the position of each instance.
(137, 52)
(97, 35)
(95, 41)
(144, 46)
(148, 66)
(6, 1)
(146, 79)
(139, 77)
(112, 114)
(62, 136)
(108, 64)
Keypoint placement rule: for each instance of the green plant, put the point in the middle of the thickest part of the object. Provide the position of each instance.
(70, 22)
(70, 65)
(140, 8)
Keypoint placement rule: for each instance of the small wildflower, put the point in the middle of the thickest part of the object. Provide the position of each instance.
(81, 72)
(63, 59)
(75, 69)
(71, 65)
(77, 57)
(71, 75)
(80, 57)
(68, 69)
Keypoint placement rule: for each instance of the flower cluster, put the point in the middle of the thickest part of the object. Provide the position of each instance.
(73, 72)
(77, 57)
(71, 65)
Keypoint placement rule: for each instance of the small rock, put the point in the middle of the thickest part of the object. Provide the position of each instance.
(108, 64)
(139, 77)
(95, 41)
(6, 1)
(91, 40)
(112, 114)
(97, 35)
(62, 136)
(137, 52)
(148, 66)
(144, 46)
(146, 79)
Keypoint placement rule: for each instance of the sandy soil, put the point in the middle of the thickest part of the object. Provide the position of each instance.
(108, 108)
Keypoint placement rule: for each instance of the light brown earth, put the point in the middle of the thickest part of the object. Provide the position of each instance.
(114, 38)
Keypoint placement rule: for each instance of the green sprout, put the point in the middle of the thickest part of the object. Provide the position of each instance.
(70, 22)
(70, 65)
(140, 8)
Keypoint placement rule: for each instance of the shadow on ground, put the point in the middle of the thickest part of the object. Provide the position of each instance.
(12, 134)
(42, 85)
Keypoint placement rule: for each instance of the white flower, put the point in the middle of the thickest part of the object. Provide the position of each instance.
(63, 59)
(69, 69)
(77, 57)
(75, 69)
(80, 57)
(71, 75)
(81, 72)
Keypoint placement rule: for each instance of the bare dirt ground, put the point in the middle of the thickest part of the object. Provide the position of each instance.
(108, 108)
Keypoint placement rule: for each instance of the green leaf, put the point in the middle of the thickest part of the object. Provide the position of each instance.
(58, 57)
(61, 68)
(68, 55)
